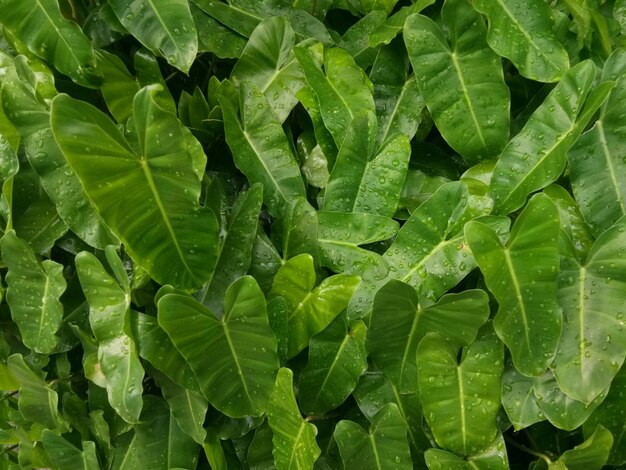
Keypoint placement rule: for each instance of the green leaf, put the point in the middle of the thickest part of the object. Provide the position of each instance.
(462, 84)
(119, 86)
(519, 400)
(156, 347)
(561, 410)
(157, 442)
(234, 253)
(592, 346)
(215, 37)
(188, 407)
(384, 446)
(337, 358)
(522, 277)
(239, 20)
(395, 23)
(461, 399)
(294, 438)
(343, 90)
(261, 150)
(610, 414)
(311, 308)
(493, 457)
(523, 32)
(398, 323)
(591, 454)
(109, 311)
(65, 455)
(241, 345)
(296, 231)
(598, 170)
(163, 26)
(536, 156)
(33, 294)
(42, 27)
(180, 247)
(268, 62)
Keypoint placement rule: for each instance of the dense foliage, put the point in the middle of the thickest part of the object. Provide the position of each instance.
(313, 234)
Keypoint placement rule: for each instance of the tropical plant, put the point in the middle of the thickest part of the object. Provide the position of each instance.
(301, 234)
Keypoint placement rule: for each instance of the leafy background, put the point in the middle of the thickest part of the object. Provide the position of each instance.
(313, 234)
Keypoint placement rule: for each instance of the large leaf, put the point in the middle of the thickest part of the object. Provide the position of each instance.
(65, 455)
(33, 294)
(337, 358)
(522, 277)
(165, 27)
(268, 62)
(536, 156)
(311, 308)
(261, 150)
(598, 170)
(343, 90)
(235, 248)
(472, 113)
(109, 310)
(41, 26)
(593, 344)
(523, 32)
(384, 446)
(461, 399)
(179, 248)
(398, 323)
(241, 345)
(294, 438)
(157, 442)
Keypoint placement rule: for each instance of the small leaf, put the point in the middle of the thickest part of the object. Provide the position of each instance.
(65, 455)
(33, 294)
(384, 446)
(337, 358)
(241, 345)
(591, 454)
(461, 400)
(109, 310)
(311, 308)
(294, 438)
(493, 457)
(522, 31)
(519, 400)
(163, 26)
(522, 277)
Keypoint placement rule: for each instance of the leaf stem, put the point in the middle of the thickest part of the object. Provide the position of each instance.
(523, 448)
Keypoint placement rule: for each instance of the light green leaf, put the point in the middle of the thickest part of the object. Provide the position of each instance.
(188, 407)
(522, 277)
(561, 410)
(619, 13)
(163, 26)
(37, 402)
(461, 399)
(462, 84)
(343, 90)
(65, 455)
(109, 311)
(598, 170)
(398, 323)
(42, 27)
(536, 156)
(294, 438)
(523, 32)
(311, 308)
(156, 347)
(235, 248)
(157, 442)
(268, 62)
(611, 414)
(395, 23)
(261, 150)
(119, 86)
(383, 446)
(242, 347)
(591, 454)
(493, 457)
(592, 346)
(181, 244)
(33, 293)
(337, 358)
(296, 231)
(519, 400)
(355, 39)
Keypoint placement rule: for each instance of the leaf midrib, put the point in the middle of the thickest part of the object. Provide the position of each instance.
(518, 294)
(610, 166)
(332, 366)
